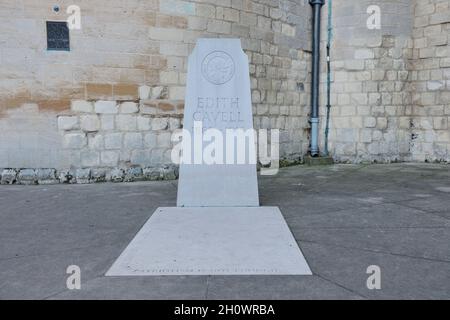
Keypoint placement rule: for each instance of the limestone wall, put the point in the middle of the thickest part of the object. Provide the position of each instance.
(430, 75)
(390, 90)
(370, 88)
(113, 100)
(106, 109)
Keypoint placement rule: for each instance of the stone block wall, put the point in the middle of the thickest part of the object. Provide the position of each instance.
(109, 133)
(430, 75)
(390, 85)
(370, 85)
(113, 100)
(105, 109)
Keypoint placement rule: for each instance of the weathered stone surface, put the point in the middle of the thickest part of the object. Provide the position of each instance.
(141, 157)
(125, 122)
(106, 107)
(9, 176)
(82, 106)
(113, 140)
(117, 175)
(132, 68)
(74, 140)
(46, 176)
(318, 161)
(169, 172)
(133, 140)
(66, 176)
(159, 123)
(134, 174)
(159, 92)
(83, 176)
(143, 123)
(107, 122)
(27, 176)
(90, 123)
(150, 140)
(90, 158)
(144, 92)
(128, 107)
(109, 158)
(401, 70)
(152, 173)
(174, 123)
(68, 123)
(98, 175)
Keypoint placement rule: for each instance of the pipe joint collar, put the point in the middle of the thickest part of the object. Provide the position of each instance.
(314, 120)
(317, 2)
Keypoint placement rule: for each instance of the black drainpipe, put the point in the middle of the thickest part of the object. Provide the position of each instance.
(316, 7)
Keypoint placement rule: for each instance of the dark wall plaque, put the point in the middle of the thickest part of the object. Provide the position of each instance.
(58, 36)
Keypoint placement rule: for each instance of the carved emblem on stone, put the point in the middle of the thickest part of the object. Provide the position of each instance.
(218, 67)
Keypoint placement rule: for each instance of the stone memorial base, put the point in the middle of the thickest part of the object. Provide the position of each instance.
(212, 241)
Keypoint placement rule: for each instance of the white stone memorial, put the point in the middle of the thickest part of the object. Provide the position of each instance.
(217, 227)
(218, 96)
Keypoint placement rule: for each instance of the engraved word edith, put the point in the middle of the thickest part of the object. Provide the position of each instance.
(218, 67)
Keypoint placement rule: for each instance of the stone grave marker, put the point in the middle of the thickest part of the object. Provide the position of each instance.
(217, 227)
(218, 97)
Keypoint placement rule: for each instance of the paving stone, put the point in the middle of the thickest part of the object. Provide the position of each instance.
(344, 217)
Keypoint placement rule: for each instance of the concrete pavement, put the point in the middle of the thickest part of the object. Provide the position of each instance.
(344, 217)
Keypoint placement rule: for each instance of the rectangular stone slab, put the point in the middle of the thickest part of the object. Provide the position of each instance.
(212, 241)
(218, 94)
